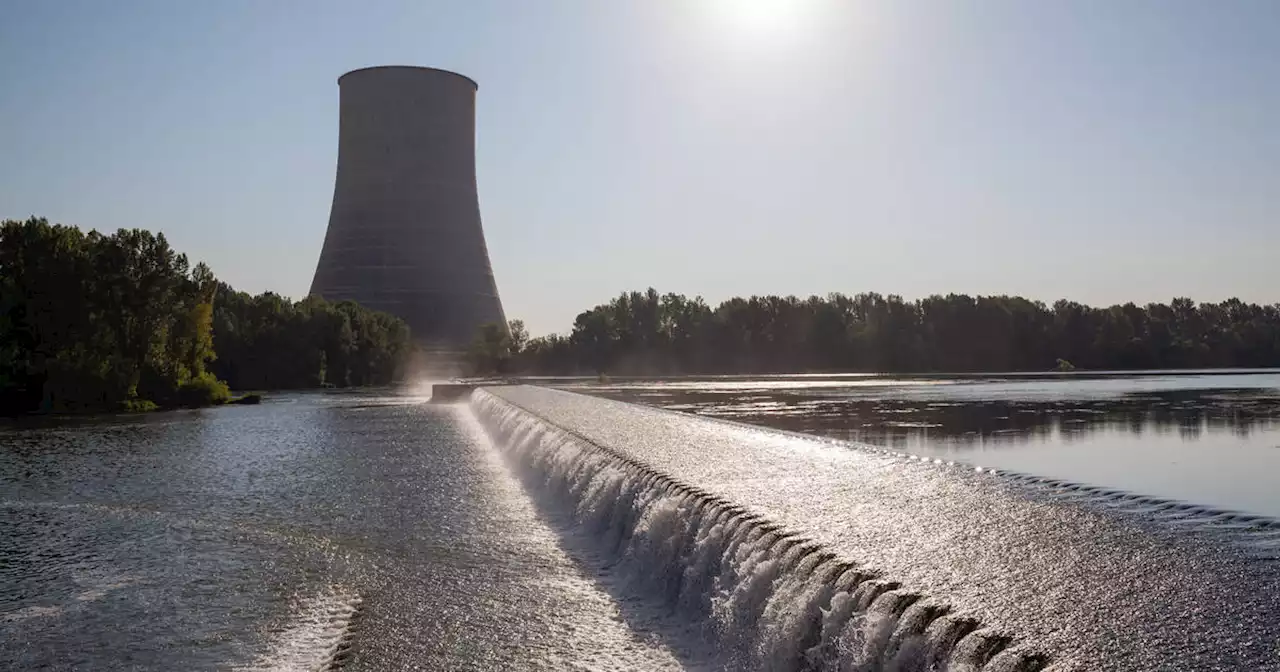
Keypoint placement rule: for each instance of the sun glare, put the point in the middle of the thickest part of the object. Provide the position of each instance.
(762, 21)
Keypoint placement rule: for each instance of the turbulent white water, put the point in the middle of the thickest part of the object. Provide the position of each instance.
(316, 637)
(766, 598)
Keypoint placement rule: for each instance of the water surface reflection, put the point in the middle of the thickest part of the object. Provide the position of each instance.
(1208, 438)
(897, 415)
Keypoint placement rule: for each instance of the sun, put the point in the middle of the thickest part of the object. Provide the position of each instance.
(761, 21)
(760, 15)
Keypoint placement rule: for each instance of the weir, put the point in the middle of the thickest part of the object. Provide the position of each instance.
(798, 553)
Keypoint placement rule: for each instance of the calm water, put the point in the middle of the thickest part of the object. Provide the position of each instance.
(380, 530)
(1212, 439)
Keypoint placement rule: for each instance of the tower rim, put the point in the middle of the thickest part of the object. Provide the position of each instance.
(473, 82)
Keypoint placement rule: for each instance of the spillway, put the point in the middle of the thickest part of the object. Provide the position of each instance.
(797, 553)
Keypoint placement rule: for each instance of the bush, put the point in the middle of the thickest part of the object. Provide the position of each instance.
(136, 406)
(203, 390)
(252, 399)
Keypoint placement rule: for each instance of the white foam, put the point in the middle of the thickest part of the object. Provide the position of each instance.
(310, 640)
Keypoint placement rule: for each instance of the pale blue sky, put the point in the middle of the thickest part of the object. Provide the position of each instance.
(1099, 150)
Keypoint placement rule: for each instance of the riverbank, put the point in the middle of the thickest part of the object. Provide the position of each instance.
(131, 406)
(145, 406)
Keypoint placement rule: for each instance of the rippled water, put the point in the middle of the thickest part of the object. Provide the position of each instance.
(1206, 438)
(380, 532)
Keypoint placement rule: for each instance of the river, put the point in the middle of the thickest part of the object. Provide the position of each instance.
(536, 530)
(378, 531)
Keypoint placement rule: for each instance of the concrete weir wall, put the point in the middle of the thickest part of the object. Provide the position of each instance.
(446, 393)
(404, 231)
(795, 553)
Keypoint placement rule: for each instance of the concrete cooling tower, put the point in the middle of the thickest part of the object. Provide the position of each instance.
(404, 231)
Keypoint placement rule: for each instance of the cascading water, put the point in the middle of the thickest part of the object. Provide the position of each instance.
(318, 637)
(765, 597)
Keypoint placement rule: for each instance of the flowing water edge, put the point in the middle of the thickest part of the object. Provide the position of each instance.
(797, 553)
(540, 529)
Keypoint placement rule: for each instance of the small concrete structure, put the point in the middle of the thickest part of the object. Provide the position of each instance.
(447, 393)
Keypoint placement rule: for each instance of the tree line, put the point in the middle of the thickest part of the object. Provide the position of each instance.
(90, 321)
(647, 333)
(269, 342)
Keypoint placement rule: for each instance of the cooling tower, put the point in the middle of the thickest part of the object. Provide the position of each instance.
(404, 231)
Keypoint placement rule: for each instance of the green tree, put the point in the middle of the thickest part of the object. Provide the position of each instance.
(491, 350)
(519, 336)
(90, 321)
(648, 333)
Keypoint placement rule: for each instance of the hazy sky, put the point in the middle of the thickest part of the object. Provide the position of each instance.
(1098, 150)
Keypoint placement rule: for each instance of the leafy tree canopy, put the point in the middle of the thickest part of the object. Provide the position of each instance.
(649, 333)
(90, 321)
